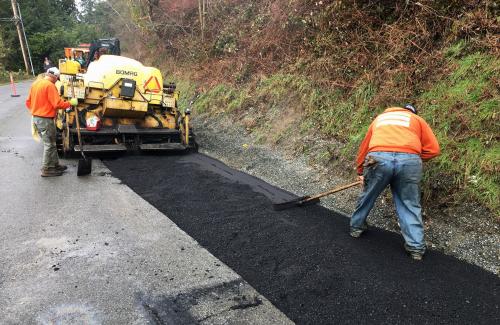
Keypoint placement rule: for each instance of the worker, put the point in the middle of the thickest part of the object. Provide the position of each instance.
(79, 58)
(43, 102)
(102, 51)
(47, 64)
(397, 142)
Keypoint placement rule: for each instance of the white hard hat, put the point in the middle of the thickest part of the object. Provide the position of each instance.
(54, 71)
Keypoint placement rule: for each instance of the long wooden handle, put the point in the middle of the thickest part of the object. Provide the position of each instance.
(77, 117)
(337, 189)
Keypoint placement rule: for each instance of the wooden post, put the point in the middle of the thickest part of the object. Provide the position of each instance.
(201, 12)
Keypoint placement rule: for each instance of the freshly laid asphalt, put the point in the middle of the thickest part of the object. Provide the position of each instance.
(303, 259)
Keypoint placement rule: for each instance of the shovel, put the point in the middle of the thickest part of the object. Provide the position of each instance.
(307, 200)
(84, 164)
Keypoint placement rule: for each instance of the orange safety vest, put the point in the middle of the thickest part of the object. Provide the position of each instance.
(44, 100)
(398, 130)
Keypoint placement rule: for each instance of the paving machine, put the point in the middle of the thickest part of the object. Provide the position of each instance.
(122, 105)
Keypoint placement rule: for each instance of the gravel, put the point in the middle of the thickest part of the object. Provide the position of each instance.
(468, 231)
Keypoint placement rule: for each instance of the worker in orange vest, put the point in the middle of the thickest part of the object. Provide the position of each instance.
(43, 102)
(397, 142)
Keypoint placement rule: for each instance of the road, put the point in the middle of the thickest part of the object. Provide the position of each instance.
(88, 250)
(303, 259)
(133, 244)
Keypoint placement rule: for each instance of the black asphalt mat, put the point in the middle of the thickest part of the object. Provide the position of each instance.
(303, 259)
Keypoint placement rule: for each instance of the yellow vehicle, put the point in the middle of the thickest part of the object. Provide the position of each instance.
(79, 54)
(122, 106)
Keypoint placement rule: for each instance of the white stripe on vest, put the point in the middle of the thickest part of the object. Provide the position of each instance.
(393, 118)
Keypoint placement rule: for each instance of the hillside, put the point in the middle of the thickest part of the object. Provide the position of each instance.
(308, 77)
(299, 74)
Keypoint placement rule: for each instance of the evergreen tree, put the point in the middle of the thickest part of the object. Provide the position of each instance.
(50, 26)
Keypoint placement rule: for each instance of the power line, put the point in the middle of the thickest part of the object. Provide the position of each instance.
(25, 38)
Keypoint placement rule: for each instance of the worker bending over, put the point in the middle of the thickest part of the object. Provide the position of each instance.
(43, 102)
(391, 154)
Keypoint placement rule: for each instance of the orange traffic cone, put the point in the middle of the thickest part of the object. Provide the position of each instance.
(13, 86)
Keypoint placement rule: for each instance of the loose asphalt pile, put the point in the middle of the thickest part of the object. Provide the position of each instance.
(303, 259)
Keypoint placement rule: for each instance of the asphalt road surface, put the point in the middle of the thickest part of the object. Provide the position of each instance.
(183, 239)
(303, 259)
(88, 250)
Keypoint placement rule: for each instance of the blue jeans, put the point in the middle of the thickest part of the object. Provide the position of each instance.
(403, 171)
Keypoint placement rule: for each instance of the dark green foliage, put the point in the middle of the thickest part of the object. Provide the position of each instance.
(50, 26)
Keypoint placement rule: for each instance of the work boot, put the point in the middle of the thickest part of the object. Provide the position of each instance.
(356, 233)
(61, 167)
(51, 172)
(416, 256)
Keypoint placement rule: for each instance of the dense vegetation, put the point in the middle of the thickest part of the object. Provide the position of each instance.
(50, 25)
(297, 72)
(309, 76)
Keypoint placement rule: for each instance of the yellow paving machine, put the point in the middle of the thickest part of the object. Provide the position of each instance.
(122, 105)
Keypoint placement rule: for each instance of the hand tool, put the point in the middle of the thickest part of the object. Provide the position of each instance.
(85, 163)
(306, 200)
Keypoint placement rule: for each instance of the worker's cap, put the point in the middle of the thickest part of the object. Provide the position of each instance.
(410, 107)
(53, 71)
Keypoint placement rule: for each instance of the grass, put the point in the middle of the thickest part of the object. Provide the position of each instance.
(217, 100)
(462, 108)
(18, 76)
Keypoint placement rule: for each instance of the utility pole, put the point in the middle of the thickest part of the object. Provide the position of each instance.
(17, 21)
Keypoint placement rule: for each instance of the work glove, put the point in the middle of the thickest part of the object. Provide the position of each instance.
(73, 101)
(34, 131)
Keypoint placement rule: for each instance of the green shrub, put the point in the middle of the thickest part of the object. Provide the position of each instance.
(463, 109)
(17, 76)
